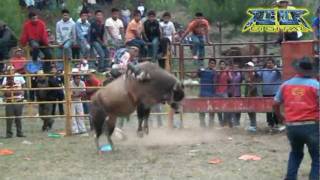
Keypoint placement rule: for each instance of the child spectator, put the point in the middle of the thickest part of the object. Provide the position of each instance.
(18, 60)
(207, 80)
(167, 27)
(152, 34)
(82, 30)
(51, 37)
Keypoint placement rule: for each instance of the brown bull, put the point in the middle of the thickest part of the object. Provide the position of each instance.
(249, 50)
(144, 85)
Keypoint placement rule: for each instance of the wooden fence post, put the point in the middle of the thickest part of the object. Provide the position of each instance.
(68, 96)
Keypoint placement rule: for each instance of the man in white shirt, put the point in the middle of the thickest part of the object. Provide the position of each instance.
(167, 27)
(115, 29)
(12, 94)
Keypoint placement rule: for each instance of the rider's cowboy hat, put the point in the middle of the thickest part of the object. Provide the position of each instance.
(305, 66)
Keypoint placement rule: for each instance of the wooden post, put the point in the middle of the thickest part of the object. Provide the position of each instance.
(68, 96)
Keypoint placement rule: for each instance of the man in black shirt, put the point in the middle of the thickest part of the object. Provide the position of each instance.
(152, 34)
(96, 34)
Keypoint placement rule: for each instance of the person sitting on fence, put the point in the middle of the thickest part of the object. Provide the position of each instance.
(7, 41)
(96, 36)
(115, 29)
(133, 34)
(152, 34)
(125, 16)
(55, 81)
(251, 90)
(34, 34)
(234, 89)
(78, 125)
(12, 94)
(82, 30)
(200, 33)
(44, 95)
(223, 80)
(271, 79)
(66, 34)
(18, 60)
(207, 89)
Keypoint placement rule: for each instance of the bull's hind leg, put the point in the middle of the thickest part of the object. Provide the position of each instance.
(109, 126)
(98, 118)
(143, 115)
(146, 120)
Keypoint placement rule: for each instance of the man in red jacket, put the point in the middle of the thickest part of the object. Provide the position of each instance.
(35, 35)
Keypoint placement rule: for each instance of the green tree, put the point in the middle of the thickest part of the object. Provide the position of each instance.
(12, 15)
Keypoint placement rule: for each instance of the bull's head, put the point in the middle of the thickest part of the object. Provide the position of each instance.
(177, 96)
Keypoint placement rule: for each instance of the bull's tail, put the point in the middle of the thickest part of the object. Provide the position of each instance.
(98, 116)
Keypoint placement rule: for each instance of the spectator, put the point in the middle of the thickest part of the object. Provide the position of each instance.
(65, 33)
(84, 66)
(12, 94)
(125, 16)
(251, 90)
(223, 80)
(7, 41)
(78, 125)
(91, 81)
(82, 30)
(141, 8)
(235, 89)
(207, 80)
(57, 94)
(200, 33)
(51, 37)
(44, 95)
(167, 27)
(115, 29)
(18, 60)
(270, 76)
(97, 40)
(133, 33)
(316, 25)
(152, 34)
(300, 99)
(34, 33)
(29, 3)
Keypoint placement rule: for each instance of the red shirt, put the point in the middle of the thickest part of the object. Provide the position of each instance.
(300, 98)
(199, 26)
(92, 83)
(223, 78)
(34, 31)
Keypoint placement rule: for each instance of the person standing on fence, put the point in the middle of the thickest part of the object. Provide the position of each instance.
(34, 34)
(82, 30)
(78, 125)
(66, 34)
(236, 79)
(152, 34)
(115, 29)
(44, 95)
(223, 80)
(12, 94)
(199, 27)
(207, 89)
(300, 99)
(56, 81)
(271, 79)
(251, 90)
(96, 34)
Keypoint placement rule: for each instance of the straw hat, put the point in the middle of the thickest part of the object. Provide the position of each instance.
(40, 72)
(251, 64)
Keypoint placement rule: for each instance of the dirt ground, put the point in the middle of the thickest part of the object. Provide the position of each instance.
(163, 154)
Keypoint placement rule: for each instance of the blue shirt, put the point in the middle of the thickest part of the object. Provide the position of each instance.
(270, 77)
(207, 80)
(315, 23)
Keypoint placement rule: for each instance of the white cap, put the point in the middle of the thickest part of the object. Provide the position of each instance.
(75, 70)
(250, 64)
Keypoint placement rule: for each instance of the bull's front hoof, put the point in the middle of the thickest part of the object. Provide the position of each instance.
(140, 134)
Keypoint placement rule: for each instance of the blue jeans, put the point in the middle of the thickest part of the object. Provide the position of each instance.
(224, 117)
(84, 49)
(66, 49)
(102, 52)
(298, 136)
(153, 49)
(198, 46)
(35, 45)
